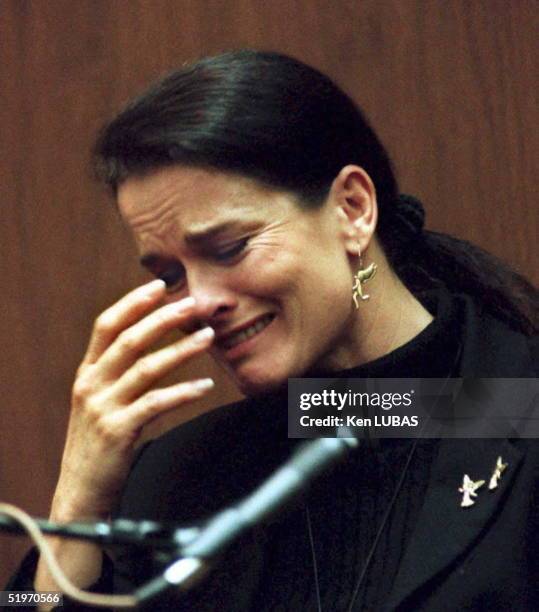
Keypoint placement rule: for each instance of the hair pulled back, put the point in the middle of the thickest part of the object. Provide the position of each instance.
(270, 117)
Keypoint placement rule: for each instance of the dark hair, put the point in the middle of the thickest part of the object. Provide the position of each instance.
(272, 118)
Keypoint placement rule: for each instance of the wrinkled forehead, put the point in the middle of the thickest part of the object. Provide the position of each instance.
(192, 198)
(178, 208)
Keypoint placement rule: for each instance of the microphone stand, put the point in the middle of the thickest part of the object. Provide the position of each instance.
(118, 532)
(197, 547)
(307, 462)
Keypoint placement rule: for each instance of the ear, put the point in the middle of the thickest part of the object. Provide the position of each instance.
(354, 197)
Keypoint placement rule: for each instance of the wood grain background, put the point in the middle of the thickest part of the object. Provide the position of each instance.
(450, 86)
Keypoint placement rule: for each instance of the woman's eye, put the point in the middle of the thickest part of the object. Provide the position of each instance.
(174, 278)
(230, 253)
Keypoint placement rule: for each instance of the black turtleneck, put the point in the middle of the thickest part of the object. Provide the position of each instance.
(348, 506)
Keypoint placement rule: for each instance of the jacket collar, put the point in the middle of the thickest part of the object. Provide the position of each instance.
(444, 529)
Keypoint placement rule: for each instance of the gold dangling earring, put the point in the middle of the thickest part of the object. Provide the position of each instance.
(362, 276)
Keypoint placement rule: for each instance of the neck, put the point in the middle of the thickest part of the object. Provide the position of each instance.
(395, 317)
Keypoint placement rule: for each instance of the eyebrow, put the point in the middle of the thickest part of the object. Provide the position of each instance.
(193, 237)
(203, 234)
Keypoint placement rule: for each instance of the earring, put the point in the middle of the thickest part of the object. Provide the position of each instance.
(362, 276)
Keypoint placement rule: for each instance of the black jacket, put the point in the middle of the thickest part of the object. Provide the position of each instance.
(477, 558)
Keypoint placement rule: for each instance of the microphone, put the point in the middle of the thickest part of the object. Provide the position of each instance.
(307, 462)
(198, 546)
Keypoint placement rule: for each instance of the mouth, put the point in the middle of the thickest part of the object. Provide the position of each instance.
(234, 339)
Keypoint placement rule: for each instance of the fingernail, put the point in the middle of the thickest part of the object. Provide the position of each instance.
(154, 286)
(203, 334)
(203, 384)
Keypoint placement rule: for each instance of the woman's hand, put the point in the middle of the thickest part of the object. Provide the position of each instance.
(113, 398)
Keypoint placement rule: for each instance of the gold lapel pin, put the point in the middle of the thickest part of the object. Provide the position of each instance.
(497, 474)
(468, 490)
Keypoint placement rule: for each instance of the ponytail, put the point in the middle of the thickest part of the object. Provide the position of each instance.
(425, 258)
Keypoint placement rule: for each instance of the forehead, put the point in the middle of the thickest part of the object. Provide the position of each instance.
(193, 198)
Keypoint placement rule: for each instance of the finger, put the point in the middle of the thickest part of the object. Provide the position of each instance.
(121, 315)
(134, 341)
(151, 368)
(158, 401)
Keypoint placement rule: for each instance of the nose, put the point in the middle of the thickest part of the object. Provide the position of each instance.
(214, 301)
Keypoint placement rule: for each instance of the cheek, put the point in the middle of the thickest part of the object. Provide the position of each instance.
(267, 275)
(313, 285)
(326, 292)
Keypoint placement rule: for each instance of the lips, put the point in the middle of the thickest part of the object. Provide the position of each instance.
(231, 340)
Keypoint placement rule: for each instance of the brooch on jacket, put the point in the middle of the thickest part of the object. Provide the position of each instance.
(469, 487)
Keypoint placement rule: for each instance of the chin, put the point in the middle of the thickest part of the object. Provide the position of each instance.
(251, 382)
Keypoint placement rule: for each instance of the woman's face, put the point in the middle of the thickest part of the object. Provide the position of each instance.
(272, 279)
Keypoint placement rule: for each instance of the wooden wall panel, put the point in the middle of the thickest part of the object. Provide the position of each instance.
(449, 84)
